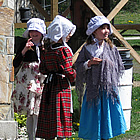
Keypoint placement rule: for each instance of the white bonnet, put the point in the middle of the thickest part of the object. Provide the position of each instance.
(60, 28)
(96, 22)
(35, 24)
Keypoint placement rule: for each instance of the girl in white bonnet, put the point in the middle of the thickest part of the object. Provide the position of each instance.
(99, 67)
(29, 81)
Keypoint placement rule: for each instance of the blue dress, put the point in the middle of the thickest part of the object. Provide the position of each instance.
(102, 121)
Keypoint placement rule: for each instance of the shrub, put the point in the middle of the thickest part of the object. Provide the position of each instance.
(21, 119)
(76, 111)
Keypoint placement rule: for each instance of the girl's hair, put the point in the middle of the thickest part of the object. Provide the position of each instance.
(109, 42)
(46, 44)
(89, 40)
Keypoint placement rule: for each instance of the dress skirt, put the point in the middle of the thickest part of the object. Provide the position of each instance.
(26, 96)
(55, 117)
(103, 120)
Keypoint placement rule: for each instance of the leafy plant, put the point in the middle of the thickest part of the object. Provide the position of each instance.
(21, 119)
(136, 76)
(76, 111)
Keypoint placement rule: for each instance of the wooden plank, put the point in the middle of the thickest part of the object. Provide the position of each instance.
(20, 25)
(66, 12)
(24, 25)
(127, 26)
(40, 9)
(132, 38)
(47, 23)
(12, 72)
(117, 8)
(54, 8)
(126, 44)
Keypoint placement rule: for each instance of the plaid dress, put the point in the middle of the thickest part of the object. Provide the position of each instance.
(55, 117)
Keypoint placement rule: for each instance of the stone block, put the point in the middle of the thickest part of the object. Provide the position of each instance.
(5, 85)
(10, 45)
(8, 130)
(4, 73)
(6, 21)
(6, 112)
(2, 44)
(11, 4)
(5, 92)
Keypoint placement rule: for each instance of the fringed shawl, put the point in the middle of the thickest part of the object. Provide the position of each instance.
(104, 76)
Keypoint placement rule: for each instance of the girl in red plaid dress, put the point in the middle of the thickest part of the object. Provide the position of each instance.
(55, 116)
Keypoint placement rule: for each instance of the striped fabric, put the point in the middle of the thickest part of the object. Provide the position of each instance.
(55, 119)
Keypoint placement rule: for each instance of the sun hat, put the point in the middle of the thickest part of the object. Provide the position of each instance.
(96, 22)
(60, 28)
(35, 24)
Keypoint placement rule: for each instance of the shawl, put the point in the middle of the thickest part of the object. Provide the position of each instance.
(104, 76)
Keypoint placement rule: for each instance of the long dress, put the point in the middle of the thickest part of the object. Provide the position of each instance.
(55, 116)
(27, 93)
(102, 121)
(102, 117)
(28, 89)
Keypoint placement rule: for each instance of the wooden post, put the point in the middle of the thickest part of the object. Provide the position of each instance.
(54, 8)
(40, 9)
(118, 7)
(66, 12)
(24, 25)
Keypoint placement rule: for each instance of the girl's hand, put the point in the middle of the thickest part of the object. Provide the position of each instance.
(94, 61)
(28, 46)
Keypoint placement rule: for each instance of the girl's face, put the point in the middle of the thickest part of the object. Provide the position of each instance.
(68, 37)
(35, 35)
(102, 32)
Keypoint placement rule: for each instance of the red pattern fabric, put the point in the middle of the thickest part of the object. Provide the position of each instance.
(55, 118)
(26, 96)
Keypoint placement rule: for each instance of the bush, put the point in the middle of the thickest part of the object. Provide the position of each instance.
(21, 119)
(76, 111)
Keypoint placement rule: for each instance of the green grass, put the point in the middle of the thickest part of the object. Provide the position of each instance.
(134, 132)
(19, 31)
(136, 76)
(126, 17)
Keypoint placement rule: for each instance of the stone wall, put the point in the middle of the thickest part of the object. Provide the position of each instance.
(6, 68)
(6, 55)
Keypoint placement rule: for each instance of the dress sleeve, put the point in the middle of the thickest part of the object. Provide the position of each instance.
(65, 61)
(42, 66)
(81, 62)
(19, 57)
(81, 73)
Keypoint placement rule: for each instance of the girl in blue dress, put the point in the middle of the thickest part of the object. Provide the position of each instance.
(99, 67)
